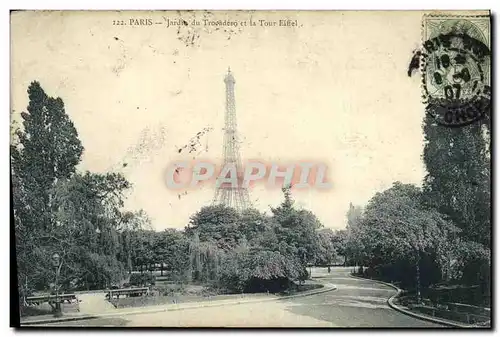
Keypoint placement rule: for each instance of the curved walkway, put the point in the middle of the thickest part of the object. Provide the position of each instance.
(355, 303)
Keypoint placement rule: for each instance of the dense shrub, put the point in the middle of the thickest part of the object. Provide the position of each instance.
(259, 271)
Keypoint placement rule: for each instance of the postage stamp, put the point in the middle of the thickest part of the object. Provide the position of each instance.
(455, 67)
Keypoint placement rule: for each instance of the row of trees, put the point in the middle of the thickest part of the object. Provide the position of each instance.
(80, 216)
(58, 209)
(440, 233)
(247, 251)
(256, 251)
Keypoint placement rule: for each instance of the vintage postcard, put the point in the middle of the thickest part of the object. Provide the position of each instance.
(251, 168)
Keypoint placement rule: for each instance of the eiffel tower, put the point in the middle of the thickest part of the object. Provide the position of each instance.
(236, 197)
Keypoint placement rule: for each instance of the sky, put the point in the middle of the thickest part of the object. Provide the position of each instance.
(333, 89)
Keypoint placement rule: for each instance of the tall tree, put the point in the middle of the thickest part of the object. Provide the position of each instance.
(326, 252)
(353, 247)
(49, 149)
(296, 230)
(458, 178)
(396, 227)
(46, 150)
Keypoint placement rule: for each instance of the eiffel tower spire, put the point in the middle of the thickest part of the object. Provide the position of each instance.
(236, 197)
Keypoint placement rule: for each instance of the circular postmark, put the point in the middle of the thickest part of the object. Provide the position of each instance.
(456, 78)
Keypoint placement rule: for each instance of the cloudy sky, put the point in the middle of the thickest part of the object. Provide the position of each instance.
(334, 89)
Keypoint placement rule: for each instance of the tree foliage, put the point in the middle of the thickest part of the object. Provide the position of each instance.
(60, 210)
(396, 227)
(443, 228)
(252, 250)
(46, 149)
(296, 230)
(458, 179)
(218, 223)
(81, 216)
(326, 252)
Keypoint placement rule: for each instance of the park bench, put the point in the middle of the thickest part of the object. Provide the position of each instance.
(63, 298)
(129, 292)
